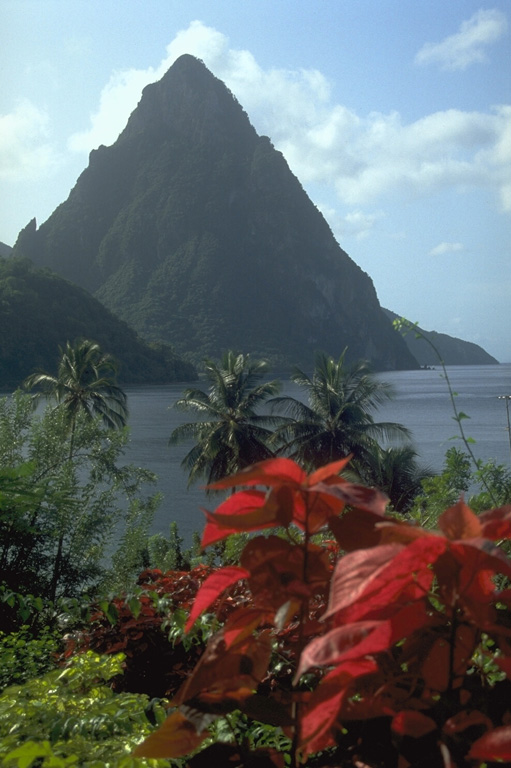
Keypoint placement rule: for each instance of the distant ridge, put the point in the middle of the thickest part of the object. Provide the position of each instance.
(193, 229)
(40, 311)
(453, 351)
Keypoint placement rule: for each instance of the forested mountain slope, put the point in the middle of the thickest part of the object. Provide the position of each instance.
(193, 229)
(40, 311)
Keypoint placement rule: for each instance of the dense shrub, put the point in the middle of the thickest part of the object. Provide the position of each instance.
(410, 662)
(71, 716)
(147, 627)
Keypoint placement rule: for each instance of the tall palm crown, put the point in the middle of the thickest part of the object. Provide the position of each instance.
(395, 471)
(84, 384)
(338, 419)
(232, 434)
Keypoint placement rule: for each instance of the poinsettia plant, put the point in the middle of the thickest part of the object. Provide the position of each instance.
(407, 634)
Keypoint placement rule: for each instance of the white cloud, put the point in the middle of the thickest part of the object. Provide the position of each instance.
(467, 46)
(442, 248)
(359, 223)
(25, 151)
(123, 91)
(362, 158)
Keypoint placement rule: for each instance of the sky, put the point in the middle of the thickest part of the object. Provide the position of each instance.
(395, 115)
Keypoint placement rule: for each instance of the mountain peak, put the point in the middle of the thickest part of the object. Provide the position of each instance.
(194, 230)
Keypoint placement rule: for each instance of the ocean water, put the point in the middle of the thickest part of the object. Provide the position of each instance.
(421, 403)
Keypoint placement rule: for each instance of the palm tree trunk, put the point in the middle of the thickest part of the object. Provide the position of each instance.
(60, 546)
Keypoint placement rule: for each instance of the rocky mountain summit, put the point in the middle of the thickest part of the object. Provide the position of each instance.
(193, 230)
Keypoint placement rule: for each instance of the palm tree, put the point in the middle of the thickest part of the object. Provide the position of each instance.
(84, 384)
(395, 471)
(233, 434)
(338, 420)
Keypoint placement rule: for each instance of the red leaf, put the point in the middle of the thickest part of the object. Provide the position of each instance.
(459, 522)
(494, 745)
(222, 672)
(326, 650)
(329, 471)
(444, 666)
(358, 496)
(371, 580)
(270, 473)
(355, 572)
(322, 709)
(241, 624)
(411, 723)
(364, 638)
(215, 584)
(313, 509)
(477, 557)
(276, 570)
(496, 523)
(239, 504)
(400, 533)
(175, 737)
(356, 529)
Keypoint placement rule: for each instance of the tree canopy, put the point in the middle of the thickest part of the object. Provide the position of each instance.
(231, 433)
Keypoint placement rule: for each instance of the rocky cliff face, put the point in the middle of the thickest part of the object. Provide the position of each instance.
(192, 228)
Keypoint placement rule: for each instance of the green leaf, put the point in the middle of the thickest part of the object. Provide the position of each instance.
(135, 606)
(112, 613)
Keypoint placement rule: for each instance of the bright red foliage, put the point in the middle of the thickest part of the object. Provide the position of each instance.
(389, 637)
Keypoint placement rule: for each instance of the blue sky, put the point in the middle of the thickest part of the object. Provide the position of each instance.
(394, 114)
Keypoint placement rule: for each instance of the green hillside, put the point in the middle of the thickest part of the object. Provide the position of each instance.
(40, 311)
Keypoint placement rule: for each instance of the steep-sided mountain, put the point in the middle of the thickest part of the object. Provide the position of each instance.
(40, 311)
(193, 229)
(453, 351)
(5, 250)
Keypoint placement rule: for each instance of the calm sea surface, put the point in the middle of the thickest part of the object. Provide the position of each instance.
(421, 403)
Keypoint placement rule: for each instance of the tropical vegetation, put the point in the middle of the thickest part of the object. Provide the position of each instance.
(233, 433)
(314, 622)
(39, 311)
(85, 384)
(338, 418)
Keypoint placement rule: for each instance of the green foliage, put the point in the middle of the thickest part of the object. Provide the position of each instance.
(51, 504)
(147, 624)
(39, 311)
(395, 471)
(23, 656)
(231, 433)
(489, 483)
(84, 384)
(338, 419)
(71, 716)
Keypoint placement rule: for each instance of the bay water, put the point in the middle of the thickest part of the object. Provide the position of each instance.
(421, 403)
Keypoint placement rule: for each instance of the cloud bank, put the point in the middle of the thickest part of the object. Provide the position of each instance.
(466, 47)
(25, 149)
(363, 157)
(443, 248)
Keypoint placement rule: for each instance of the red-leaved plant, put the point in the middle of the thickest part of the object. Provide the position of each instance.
(390, 647)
